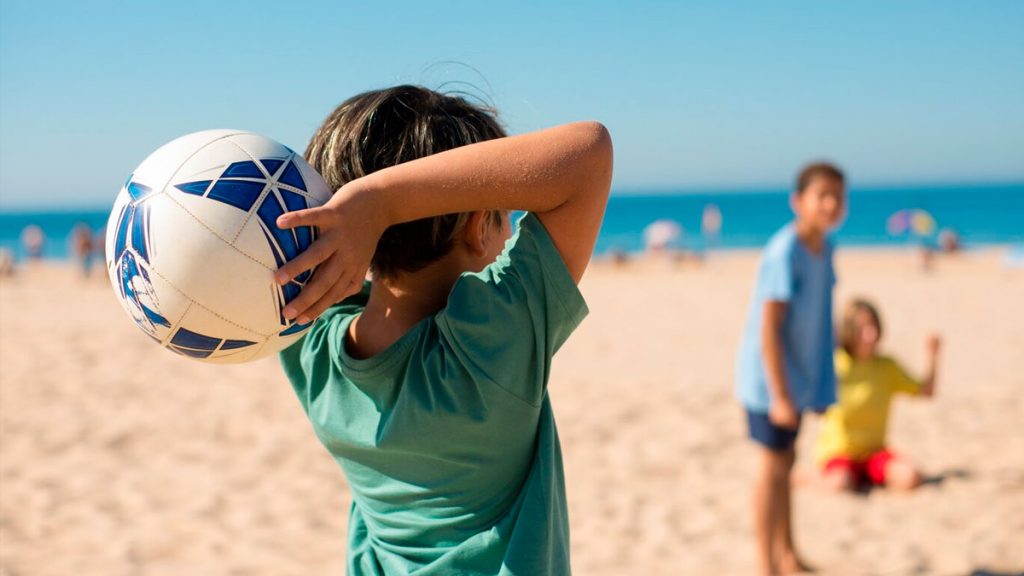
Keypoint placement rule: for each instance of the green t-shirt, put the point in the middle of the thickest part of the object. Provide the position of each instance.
(447, 438)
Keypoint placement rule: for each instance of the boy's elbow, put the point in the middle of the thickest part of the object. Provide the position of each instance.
(597, 141)
(595, 138)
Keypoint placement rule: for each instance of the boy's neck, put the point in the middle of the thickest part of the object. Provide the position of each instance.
(396, 305)
(809, 236)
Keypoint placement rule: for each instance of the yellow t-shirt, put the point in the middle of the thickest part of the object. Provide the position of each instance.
(855, 425)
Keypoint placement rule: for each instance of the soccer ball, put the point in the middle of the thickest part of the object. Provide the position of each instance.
(192, 244)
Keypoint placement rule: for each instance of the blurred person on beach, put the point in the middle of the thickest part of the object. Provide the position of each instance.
(784, 365)
(711, 226)
(99, 245)
(6, 262)
(428, 385)
(949, 241)
(81, 245)
(852, 448)
(33, 240)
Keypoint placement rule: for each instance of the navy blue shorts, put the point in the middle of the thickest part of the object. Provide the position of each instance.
(769, 435)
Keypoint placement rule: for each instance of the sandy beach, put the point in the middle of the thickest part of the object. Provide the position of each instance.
(120, 458)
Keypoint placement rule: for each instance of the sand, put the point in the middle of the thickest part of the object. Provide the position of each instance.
(119, 458)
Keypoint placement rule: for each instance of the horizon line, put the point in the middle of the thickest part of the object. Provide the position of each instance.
(617, 191)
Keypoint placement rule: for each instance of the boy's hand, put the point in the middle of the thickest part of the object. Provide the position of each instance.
(783, 414)
(350, 227)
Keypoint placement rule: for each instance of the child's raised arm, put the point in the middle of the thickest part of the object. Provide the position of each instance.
(932, 344)
(561, 174)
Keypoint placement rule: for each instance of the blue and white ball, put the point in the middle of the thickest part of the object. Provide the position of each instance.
(192, 244)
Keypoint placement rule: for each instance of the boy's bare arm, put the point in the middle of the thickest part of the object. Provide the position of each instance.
(561, 174)
(782, 412)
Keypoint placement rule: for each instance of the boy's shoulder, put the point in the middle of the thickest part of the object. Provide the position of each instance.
(784, 243)
(781, 244)
(784, 239)
(529, 268)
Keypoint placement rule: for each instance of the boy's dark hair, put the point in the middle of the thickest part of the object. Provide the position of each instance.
(382, 128)
(815, 170)
(848, 323)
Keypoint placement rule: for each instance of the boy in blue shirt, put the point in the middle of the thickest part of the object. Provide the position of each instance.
(429, 385)
(785, 359)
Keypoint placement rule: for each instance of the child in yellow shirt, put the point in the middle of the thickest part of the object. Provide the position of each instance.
(852, 446)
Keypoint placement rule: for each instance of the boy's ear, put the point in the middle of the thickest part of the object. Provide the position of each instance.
(475, 232)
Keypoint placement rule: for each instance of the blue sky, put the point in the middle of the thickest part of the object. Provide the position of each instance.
(697, 96)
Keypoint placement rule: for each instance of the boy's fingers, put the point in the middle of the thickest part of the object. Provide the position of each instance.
(312, 292)
(337, 293)
(318, 216)
(354, 286)
(314, 311)
(316, 253)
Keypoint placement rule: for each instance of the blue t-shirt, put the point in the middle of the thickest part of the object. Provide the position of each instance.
(447, 438)
(789, 272)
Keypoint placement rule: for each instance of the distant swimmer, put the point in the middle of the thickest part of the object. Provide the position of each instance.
(6, 262)
(711, 225)
(81, 247)
(33, 241)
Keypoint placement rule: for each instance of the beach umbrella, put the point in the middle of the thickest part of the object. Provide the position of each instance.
(912, 221)
(659, 234)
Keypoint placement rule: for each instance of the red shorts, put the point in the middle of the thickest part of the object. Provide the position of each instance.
(867, 470)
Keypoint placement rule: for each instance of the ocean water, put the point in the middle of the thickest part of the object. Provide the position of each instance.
(980, 214)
